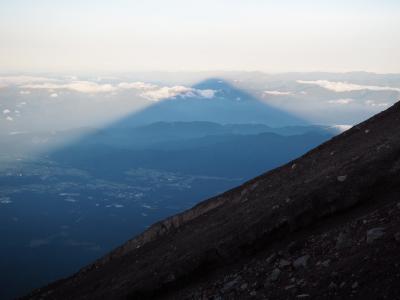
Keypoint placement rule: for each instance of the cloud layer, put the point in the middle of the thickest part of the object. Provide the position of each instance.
(76, 86)
(148, 91)
(278, 93)
(174, 91)
(339, 86)
(341, 101)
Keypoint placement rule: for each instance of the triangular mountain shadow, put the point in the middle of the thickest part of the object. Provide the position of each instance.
(127, 140)
(229, 105)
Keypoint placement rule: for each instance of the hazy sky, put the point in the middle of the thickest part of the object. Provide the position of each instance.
(133, 35)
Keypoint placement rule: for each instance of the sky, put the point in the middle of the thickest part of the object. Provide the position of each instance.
(202, 35)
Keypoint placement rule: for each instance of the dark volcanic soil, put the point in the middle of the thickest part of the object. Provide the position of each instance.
(332, 260)
(325, 226)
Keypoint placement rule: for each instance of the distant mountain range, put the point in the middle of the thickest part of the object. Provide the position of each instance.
(190, 148)
(154, 136)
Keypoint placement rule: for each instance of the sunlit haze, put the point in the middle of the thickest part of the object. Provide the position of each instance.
(271, 36)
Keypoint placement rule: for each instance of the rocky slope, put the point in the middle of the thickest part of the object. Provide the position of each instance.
(326, 225)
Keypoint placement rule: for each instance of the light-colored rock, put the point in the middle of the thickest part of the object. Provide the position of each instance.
(243, 192)
(326, 263)
(342, 178)
(375, 234)
(274, 276)
(230, 284)
(332, 286)
(284, 263)
(271, 258)
(301, 262)
(301, 282)
(397, 237)
(170, 277)
(343, 241)
(289, 287)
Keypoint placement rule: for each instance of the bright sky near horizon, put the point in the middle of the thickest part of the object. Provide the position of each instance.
(265, 35)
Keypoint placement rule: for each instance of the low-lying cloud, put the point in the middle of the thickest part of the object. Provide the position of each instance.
(376, 103)
(340, 86)
(277, 93)
(341, 101)
(138, 85)
(342, 127)
(24, 79)
(148, 91)
(76, 86)
(174, 91)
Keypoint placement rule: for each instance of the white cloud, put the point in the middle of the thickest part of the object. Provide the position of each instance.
(54, 95)
(137, 85)
(376, 104)
(91, 87)
(8, 118)
(165, 92)
(277, 93)
(339, 86)
(17, 132)
(341, 101)
(77, 86)
(342, 128)
(21, 104)
(174, 91)
(148, 90)
(208, 94)
(25, 92)
(6, 111)
(19, 80)
(5, 200)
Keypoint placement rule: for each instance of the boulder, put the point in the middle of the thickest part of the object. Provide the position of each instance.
(301, 262)
(375, 234)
